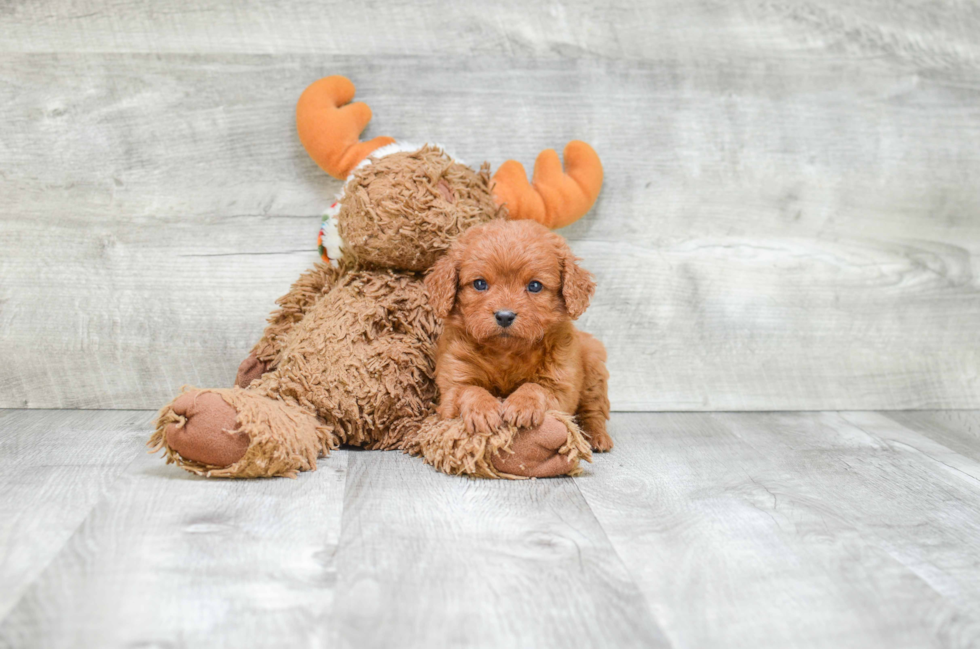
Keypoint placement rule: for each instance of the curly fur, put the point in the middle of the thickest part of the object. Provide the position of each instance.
(348, 357)
(488, 374)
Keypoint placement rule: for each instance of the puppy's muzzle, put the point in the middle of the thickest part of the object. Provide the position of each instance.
(504, 318)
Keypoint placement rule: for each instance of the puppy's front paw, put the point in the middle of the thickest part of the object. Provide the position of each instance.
(601, 442)
(525, 408)
(481, 414)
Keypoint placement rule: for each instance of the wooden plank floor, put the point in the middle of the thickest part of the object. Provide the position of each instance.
(802, 529)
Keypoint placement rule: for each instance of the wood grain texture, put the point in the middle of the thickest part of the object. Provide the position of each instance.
(958, 430)
(168, 559)
(789, 219)
(793, 529)
(818, 529)
(942, 33)
(427, 560)
(54, 467)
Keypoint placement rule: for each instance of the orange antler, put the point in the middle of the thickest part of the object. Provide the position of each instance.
(330, 127)
(554, 199)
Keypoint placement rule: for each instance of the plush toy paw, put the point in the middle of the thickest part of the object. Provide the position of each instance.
(480, 414)
(535, 452)
(525, 408)
(250, 369)
(209, 433)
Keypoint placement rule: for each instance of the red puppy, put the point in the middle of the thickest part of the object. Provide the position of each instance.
(508, 292)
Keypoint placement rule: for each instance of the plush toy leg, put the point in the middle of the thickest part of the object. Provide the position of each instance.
(554, 448)
(251, 369)
(236, 433)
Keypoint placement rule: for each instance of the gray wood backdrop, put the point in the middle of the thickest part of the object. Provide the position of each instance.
(790, 220)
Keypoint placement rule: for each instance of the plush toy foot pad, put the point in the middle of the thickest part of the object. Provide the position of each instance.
(535, 452)
(209, 433)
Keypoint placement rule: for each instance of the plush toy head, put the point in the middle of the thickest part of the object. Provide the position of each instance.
(405, 209)
(402, 206)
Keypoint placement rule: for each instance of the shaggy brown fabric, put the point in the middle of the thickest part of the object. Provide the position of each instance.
(379, 213)
(361, 359)
(349, 352)
(450, 448)
(303, 294)
(284, 437)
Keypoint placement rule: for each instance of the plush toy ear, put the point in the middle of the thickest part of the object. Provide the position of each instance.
(577, 285)
(441, 284)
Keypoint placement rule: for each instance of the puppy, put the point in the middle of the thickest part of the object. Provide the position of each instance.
(508, 292)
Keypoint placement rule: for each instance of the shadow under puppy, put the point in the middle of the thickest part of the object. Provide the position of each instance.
(508, 292)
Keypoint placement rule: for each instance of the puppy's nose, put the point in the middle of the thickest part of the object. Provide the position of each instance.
(505, 318)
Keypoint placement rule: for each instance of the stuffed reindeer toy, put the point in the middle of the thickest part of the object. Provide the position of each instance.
(348, 357)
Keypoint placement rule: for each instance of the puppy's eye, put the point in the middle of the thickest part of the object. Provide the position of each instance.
(480, 284)
(535, 286)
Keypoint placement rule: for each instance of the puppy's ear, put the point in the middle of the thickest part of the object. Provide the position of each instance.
(577, 285)
(441, 284)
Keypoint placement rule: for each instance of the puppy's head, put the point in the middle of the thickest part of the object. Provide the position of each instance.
(509, 279)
